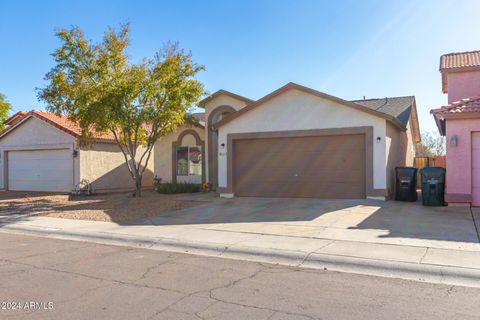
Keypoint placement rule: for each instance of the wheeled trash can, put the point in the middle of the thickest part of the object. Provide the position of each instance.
(406, 184)
(433, 186)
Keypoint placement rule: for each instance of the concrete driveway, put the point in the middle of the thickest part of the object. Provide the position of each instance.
(355, 220)
(387, 222)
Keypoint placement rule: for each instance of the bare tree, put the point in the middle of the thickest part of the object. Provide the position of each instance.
(432, 145)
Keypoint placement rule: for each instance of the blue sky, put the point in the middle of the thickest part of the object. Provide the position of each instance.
(349, 49)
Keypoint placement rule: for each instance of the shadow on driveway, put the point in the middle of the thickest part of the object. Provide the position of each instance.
(382, 219)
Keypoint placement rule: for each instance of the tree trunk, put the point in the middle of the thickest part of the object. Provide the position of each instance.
(138, 185)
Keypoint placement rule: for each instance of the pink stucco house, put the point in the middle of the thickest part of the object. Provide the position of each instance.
(459, 121)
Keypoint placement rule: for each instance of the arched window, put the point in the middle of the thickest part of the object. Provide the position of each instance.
(188, 159)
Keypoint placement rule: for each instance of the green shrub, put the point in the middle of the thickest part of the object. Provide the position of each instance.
(171, 188)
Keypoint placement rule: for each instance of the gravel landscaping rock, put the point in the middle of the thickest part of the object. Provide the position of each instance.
(116, 207)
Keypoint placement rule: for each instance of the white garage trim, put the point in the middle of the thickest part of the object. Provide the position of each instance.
(366, 131)
(40, 170)
(68, 147)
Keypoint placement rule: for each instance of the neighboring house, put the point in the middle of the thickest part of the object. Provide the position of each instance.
(39, 151)
(459, 121)
(294, 142)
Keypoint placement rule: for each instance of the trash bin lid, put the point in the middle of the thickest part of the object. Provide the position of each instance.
(428, 173)
(406, 172)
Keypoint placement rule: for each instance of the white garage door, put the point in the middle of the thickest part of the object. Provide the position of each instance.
(45, 170)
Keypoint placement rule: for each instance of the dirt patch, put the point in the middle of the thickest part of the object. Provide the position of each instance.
(118, 207)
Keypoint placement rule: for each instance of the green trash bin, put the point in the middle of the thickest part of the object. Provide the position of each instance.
(433, 186)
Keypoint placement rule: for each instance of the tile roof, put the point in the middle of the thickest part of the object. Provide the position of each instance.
(63, 123)
(458, 62)
(467, 105)
(398, 107)
(15, 118)
(60, 122)
(465, 108)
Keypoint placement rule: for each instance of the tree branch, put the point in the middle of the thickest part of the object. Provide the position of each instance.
(124, 154)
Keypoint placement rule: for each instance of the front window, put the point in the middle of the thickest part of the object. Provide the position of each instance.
(189, 161)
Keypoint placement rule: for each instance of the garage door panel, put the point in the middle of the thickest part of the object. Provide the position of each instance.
(300, 189)
(44, 168)
(298, 160)
(40, 170)
(306, 145)
(305, 174)
(302, 179)
(322, 166)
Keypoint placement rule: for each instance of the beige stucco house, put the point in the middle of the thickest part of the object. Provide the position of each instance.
(293, 142)
(39, 151)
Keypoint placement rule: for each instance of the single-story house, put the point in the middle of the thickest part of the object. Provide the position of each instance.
(459, 121)
(293, 142)
(39, 151)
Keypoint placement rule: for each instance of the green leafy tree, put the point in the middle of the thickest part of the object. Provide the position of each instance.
(97, 86)
(432, 145)
(4, 109)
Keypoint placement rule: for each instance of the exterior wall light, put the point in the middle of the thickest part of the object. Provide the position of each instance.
(222, 145)
(453, 140)
(379, 139)
(75, 153)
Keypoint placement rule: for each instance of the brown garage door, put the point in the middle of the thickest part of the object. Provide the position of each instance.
(319, 166)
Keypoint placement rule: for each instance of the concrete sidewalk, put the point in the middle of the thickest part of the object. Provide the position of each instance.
(456, 264)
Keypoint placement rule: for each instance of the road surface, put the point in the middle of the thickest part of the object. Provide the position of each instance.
(44, 278)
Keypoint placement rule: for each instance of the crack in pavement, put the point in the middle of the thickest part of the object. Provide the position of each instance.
(168, 308)
(54, 251)
(312, 252)
(87, 291)
(83, 259)
(450, 290)
(170, 257)
(475, 224)
(95, 277)
(265, 308)
(209, 291)
(165, 308)
(235, 282)
(424, 255)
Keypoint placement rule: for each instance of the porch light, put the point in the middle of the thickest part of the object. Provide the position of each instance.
(379, 139)
(453, 140)
(75, 153)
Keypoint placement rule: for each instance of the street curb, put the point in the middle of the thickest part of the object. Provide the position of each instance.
(383, 268)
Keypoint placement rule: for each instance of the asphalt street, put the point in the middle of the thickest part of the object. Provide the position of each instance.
(43, 278)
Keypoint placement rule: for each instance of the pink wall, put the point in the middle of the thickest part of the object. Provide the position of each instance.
(463, 85)
(459, 161)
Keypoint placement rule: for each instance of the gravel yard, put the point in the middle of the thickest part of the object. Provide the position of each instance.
(116, 207)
